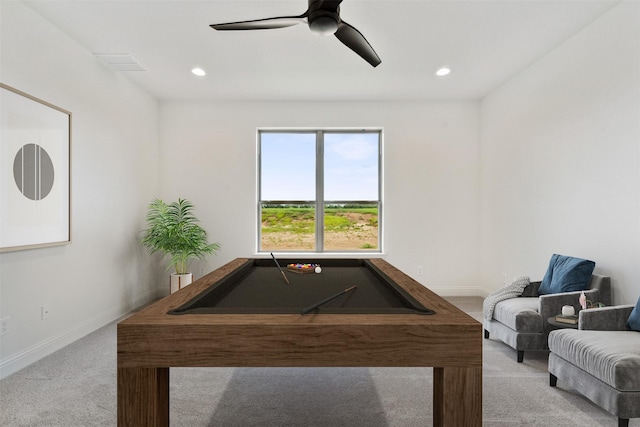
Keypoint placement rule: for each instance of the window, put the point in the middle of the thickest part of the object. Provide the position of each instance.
(319, 191)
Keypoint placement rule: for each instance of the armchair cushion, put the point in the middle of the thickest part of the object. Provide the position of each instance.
(566, 274)
(611, 356)
(519, 314)
(633, 322)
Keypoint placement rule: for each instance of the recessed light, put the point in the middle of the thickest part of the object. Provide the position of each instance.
(199, 72)
(444, 71)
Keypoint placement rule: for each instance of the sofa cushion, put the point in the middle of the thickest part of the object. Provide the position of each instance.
(633, 322)
(611, 356)
(566, 274)
(520, 314)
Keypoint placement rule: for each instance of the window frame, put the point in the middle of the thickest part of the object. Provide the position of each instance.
(319, 201)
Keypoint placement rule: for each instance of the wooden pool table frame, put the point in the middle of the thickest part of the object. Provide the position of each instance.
(151, 341)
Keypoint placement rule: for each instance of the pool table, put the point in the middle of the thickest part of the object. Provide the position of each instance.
(245, 314)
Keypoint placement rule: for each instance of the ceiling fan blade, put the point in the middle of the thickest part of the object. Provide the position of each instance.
(355, 41)
(262, 24)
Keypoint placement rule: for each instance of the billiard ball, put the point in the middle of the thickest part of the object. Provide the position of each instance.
(318, 270)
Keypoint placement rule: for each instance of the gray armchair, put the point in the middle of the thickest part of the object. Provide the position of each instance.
(521, 322)
(600, 360)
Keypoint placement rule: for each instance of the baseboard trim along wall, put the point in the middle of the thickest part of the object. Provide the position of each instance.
(42, 349)
(460, 291)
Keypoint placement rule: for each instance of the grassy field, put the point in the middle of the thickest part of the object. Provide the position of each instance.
(293, 228)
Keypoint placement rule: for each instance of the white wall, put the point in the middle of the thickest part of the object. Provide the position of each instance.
(102, 274)
(431, 176)
(560, 156)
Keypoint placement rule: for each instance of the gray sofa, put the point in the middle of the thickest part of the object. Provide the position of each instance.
(522, 323)
(600, 360)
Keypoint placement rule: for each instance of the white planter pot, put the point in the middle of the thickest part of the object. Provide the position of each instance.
(179, 281)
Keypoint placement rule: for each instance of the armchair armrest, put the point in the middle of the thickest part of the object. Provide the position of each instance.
(605, 318)
(551, 305)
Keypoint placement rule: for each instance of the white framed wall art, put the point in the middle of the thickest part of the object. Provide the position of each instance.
(35, 169)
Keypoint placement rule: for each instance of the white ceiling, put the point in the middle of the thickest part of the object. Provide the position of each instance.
(484, 42)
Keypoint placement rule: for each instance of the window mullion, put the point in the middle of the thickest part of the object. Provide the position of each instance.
(319, 191)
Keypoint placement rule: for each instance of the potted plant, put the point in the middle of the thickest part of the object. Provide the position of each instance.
(173, 230)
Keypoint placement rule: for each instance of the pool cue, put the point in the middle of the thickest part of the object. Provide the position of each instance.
(280, 268)
(324, 301)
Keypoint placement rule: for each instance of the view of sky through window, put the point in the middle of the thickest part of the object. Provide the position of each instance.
(351, 166)
(288, 166)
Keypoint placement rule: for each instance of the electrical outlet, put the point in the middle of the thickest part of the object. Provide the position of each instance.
(4, 326)
(420, 270)
(45, 312)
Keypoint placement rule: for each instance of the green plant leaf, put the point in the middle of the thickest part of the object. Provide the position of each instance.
(173, 229)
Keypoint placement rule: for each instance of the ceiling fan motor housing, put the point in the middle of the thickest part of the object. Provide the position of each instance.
(322, 20)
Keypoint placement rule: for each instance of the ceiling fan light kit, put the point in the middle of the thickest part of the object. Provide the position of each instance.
(322, 17)
(323, 21)
(324, 25)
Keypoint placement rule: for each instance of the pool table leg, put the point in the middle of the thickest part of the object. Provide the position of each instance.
(143, 397)
(457, 397)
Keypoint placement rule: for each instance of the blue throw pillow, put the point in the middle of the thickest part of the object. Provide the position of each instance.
(633, 322)
(566, 274)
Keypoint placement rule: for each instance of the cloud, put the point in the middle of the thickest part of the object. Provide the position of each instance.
(354, 148)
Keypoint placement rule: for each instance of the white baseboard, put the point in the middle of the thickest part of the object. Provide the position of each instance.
(44, 348)
(460, 291)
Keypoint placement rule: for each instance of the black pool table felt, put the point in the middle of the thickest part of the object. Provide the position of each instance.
(260, 288)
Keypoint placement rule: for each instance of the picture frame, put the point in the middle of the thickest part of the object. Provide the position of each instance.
(35, 172)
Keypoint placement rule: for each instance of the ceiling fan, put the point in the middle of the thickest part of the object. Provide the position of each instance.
(323, 17)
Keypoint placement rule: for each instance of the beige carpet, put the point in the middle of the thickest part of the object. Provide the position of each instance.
(76, 387)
